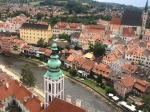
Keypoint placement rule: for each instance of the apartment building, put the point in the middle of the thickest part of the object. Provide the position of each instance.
(31, 33)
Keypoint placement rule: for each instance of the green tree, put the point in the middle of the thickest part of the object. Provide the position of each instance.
(39, 16)
(99, 79)
(40, 42)
(73, 72)
(98, 50)
(109, 89)
(65, 37)
(27, 76)
(146, 103)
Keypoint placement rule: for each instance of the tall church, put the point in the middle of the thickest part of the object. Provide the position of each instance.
(54, 78)
(135, 19)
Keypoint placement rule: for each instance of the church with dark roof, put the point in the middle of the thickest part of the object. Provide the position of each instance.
(136, 20)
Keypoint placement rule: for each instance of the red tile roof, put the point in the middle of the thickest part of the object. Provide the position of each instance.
(88, 64)
(20, 92)
(129, 68)
(116, 21)
(71, 58)
(58, 105)
(126, 81)
(141, 85)
(48, 52)
(1, 105)
(128, 32)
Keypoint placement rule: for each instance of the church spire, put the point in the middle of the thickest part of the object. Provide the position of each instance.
(54, 64)
(146, 6)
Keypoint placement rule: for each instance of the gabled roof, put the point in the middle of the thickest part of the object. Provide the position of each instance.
(34, 26)
(128, 32)
(115, 21)
(132, 18)
(127, 81)
(58, 105)
(141, 85)
(88, 64)
(71, 58)
(129, 67)
(33, 104)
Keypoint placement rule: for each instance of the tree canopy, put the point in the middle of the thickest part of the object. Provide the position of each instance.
(146, 103)
(73, 72)
(27, 76)
(99, 50)
(41, 43)
(39, 16)
(65, 37)
(99, 79)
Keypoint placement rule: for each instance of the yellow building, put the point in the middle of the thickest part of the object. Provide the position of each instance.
(31, 33)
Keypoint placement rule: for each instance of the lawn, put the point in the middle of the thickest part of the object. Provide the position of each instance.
(35, 3)
(86, 81)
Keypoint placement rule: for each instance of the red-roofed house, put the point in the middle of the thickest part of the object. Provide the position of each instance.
(124, 85)
(114, 25)
(128, 34)
(101, 69)
(140, 87)
(69, 61)
(14, 91)
(67, 28)
(86, 67)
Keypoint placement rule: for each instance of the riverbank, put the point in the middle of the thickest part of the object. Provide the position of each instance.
(96, 102)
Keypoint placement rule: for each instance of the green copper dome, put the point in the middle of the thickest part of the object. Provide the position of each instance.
(54, 64)
(54, 46)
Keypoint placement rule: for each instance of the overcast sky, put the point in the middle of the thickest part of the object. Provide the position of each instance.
(138, 3)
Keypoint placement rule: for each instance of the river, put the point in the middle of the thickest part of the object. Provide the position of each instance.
(89, 100)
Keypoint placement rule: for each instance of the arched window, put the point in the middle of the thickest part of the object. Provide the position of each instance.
(49, 87)
(50, 99)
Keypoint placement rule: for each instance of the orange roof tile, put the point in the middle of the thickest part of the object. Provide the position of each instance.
(20, 92)
(128, 32)
(88, 64)
(129, 67)
(116, 21)
(48, 52)
(58, 105)
(71, 58)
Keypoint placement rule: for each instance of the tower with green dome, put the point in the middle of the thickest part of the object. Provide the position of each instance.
(54, 78)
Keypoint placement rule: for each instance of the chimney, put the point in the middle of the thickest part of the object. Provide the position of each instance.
(41, 104)
(26, 99)
(19, 84)
(7, 85)
(68, 98)
(32, 96)
(78, 103)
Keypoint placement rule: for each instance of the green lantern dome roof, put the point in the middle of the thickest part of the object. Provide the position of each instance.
(54, 46)
(54, 64)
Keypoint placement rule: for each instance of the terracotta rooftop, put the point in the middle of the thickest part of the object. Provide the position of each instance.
(71, 58)
(88, 64)
(128, 32)
(21, 92)
(58, 105)
(129, 68)
(127, 81)
(116, 21)
(48, 52)
(141, 85)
